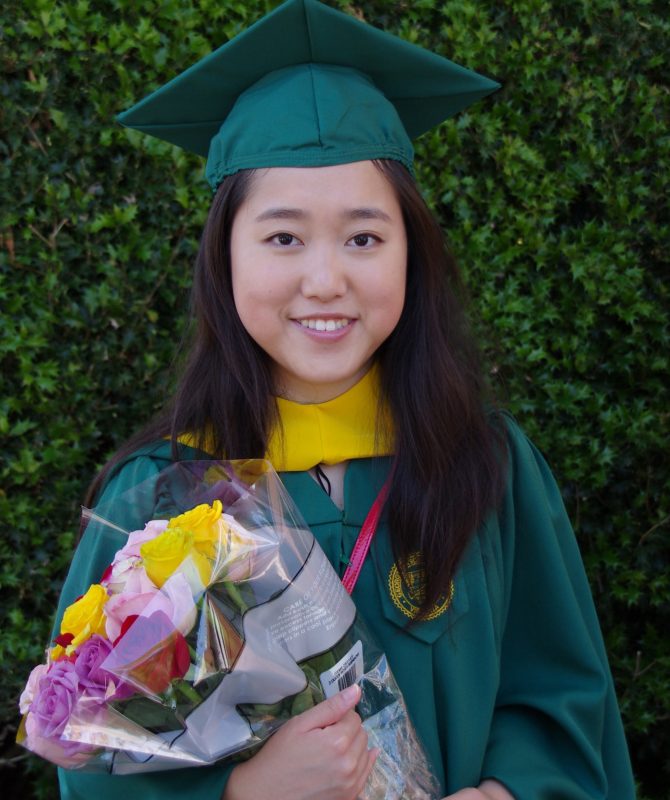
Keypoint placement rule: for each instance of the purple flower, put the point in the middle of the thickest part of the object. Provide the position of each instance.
(54, 700)
(66, 754)
(28, 694)
(88, 666)
(57, 702)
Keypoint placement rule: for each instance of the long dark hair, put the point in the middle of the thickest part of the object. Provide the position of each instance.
(449, 464)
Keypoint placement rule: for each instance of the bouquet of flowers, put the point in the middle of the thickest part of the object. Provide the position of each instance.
(213, 624)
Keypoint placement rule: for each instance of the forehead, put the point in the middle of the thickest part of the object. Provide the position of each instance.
(313, 189)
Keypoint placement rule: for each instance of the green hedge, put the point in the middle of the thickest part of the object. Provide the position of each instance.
(553, 193)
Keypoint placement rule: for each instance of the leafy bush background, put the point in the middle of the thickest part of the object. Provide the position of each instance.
(554, 196)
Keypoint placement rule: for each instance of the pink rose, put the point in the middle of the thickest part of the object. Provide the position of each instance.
(137, 538)
(126, 572)
(28, 694)
(129, 575)
(175, 600)
(248, 555)
(126, 604)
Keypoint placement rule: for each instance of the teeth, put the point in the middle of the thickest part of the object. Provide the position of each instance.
(325, 324)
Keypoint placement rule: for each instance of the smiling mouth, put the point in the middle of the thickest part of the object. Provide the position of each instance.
(317, 324)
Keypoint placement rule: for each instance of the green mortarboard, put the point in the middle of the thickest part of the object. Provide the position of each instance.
(306, 86)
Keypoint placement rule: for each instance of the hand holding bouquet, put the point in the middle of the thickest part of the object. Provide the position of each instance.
(212, 626)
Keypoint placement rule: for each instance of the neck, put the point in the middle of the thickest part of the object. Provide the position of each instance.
(347, 426)
(305, 393)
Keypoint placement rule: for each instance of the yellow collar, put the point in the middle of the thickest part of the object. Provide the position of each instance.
(328, 433)
(331, 432)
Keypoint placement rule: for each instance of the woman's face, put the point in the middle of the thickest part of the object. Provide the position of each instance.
(319, 260)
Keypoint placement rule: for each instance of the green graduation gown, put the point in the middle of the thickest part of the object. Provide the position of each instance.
(508, 680)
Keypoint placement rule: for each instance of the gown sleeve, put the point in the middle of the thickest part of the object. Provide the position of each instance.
(95, 551)
(556, 730)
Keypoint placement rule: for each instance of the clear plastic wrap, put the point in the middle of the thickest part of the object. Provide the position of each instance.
(213, 625)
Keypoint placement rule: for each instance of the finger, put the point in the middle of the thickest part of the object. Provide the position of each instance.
(346, 738)
(367, 767)
(351, 761)
(348, 726)
(329, 711)
(360, 741)
(359, 751)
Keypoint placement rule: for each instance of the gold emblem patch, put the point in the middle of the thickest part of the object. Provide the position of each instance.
(407, 598)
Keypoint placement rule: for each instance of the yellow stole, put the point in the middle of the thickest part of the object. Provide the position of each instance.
(328, 433)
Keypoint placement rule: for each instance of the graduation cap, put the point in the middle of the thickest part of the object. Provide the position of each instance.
(306, 86)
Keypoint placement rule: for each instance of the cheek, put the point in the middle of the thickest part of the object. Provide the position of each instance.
(257, 295)
(248, 282)
(258, 307)
(389, 296)
(394, 308)
(257, 282)
(248, 273)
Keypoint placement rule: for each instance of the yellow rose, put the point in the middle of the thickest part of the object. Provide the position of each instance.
(85, 617)
(250, 470)
(161, 556)
(201, 521)
(57, 652)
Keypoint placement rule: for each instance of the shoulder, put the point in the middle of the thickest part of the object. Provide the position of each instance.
(537, 552)
(518, 443)
(530, 481)
(529, 536)
(525, 466)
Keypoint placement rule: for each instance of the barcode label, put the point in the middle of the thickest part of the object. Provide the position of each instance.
(347, 679)
(346, 672)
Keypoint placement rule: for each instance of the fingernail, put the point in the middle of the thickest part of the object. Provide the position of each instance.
(351, 692)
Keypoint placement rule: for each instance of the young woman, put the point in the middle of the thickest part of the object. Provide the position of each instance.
(331, 338)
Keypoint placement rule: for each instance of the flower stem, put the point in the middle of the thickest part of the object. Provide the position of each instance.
(235, 596)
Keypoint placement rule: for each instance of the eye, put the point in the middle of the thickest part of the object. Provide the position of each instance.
(363, 241)
(285, 239)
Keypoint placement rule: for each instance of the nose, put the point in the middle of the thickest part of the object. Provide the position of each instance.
(324, 275)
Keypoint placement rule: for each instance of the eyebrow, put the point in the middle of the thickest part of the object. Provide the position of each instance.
(281, 213)
(367, 213)
(349, 214)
